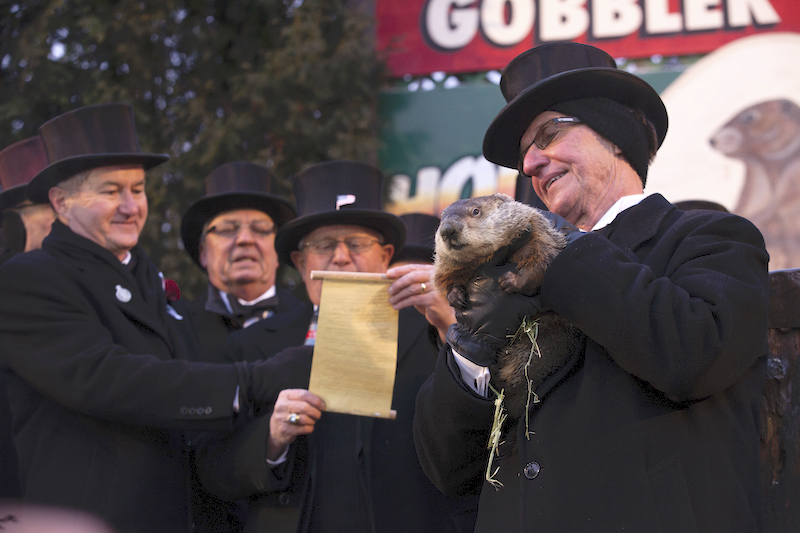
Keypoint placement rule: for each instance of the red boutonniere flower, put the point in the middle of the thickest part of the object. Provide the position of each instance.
(171, 290)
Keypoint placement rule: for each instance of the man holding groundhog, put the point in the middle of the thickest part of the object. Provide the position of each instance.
(653, 425)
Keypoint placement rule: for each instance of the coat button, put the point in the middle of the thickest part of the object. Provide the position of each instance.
(285, 498)
(532, 470)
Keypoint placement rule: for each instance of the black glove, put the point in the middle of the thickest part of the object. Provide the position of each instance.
(490, 318)
(570, 230)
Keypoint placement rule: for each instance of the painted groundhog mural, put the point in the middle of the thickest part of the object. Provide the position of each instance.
(766, 138)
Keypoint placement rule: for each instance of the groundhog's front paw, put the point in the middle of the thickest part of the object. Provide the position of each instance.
(456, 297)
(510, 282)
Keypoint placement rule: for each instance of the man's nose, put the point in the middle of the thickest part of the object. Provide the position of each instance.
(341, 254)
(128, 204)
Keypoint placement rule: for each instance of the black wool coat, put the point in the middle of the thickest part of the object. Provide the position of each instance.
(208, 336)
(9, 479)
(100, 387)
(654, 426)
(399, 497)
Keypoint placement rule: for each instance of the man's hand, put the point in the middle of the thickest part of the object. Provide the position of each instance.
(491, 316)
(413, 285)
(295, 413)
(567, 228)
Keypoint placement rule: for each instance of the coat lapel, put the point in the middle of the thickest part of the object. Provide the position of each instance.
(106, 277)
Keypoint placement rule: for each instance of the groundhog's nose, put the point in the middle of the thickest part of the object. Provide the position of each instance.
(447, 232)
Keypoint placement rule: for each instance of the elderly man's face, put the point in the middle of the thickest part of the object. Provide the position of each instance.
(579, 174)
(375, 258)
(109, 207)
(243, 264)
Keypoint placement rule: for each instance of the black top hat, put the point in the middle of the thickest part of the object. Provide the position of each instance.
(340, 193)
(237, 185)
(420, 235)
(553, 73)
(89, 137)
(19, 163)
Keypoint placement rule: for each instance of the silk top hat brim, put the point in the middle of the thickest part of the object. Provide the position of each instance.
(232, 186)
(62, 170)
(384, 223)
(338, 193)
(208, 207)
(553, 73)
(11, 197)
(87, 138)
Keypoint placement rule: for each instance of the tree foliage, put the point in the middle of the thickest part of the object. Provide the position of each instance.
(282, 83)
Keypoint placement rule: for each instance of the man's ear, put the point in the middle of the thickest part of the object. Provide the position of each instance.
(388, 253)
(299, 260)
(58, 199)
(202, 255)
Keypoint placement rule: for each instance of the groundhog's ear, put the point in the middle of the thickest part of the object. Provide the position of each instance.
(503, 197)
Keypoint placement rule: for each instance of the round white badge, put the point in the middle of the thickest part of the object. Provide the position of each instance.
(123, 294)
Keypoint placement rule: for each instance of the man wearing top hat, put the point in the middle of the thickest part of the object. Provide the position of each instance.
(230, 233)
(344, 472)
(98, 377)
(653, 425)
(23, 226)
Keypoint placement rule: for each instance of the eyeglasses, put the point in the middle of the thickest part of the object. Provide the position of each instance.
(231, 229)
(546, 134)
(355, 245)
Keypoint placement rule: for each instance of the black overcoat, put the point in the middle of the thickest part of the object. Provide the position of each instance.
(100, 387)
(399, 496)
(208, 335)
(654, 427)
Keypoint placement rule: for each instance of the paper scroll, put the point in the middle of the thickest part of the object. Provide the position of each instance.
(355, 355)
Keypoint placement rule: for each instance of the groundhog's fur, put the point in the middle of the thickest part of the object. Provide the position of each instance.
(470, 233)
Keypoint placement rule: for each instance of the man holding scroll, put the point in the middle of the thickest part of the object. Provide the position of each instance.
(330, 471)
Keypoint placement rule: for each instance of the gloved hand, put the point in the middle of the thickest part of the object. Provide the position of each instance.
(491, 316)
(570, 230)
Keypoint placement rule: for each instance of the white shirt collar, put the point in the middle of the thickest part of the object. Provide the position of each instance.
(127, 258)
(619, 206)
(269, 293)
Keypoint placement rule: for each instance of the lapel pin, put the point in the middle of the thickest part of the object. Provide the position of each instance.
(123, 294)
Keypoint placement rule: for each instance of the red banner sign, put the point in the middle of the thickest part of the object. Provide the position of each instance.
(424, 36)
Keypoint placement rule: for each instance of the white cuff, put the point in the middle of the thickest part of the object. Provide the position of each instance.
(475, 376)
(280, 460)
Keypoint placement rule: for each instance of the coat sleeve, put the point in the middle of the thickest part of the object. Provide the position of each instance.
(451, 430)
(52, 336)
(689, 318)
(234, 465)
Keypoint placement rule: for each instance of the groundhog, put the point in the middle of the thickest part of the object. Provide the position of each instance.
(470, 234)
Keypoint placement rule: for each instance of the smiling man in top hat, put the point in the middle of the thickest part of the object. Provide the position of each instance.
(350, 473)
(98, 377)
(653, 425)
